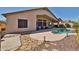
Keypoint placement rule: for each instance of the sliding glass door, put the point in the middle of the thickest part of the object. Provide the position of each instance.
(41, 24)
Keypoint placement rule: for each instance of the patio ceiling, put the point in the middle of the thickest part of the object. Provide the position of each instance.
(47, 17)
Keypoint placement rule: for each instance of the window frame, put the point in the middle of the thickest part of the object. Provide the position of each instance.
(22, 23)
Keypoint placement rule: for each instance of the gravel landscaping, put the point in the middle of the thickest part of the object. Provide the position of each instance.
(16, 42)
(28, 44)
(67, 44)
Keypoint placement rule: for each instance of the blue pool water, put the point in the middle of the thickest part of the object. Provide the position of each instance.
(60, 30)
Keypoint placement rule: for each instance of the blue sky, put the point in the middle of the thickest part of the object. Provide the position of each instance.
(66, 13)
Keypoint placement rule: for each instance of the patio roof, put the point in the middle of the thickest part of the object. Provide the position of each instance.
(47, 17)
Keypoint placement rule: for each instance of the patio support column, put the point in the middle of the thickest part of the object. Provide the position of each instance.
(58, 24)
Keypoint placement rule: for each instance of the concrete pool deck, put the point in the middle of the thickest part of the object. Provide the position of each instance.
(49, 36)
(10, 42)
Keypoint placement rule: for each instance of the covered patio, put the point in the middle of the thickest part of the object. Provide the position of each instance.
(45, 22)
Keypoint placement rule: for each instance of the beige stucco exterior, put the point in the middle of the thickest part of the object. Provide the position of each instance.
(12, 20)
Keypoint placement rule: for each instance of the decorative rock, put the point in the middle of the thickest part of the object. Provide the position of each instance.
(40, 42)
(28, 48)
(23, 47)
(47, 45)
(28, 43)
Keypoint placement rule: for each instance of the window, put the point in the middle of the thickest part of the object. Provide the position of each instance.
(22, 23)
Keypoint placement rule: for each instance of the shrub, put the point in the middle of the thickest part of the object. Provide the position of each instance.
(76, 26)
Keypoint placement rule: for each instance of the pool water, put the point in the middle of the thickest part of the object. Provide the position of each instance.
(60, 30)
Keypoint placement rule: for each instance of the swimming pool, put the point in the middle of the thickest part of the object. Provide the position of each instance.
(61, 30)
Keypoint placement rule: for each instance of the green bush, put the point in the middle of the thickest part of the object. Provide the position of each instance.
(76, 25)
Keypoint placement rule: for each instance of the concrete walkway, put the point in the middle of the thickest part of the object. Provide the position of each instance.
(10, 42)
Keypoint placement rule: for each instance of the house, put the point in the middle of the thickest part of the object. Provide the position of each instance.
(30, 20)
(2, 26)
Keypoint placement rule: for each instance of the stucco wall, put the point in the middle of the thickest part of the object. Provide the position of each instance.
(12, 20)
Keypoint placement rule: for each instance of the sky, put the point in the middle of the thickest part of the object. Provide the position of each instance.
(65, 13)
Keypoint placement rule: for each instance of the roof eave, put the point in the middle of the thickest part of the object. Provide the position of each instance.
(44, 8)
